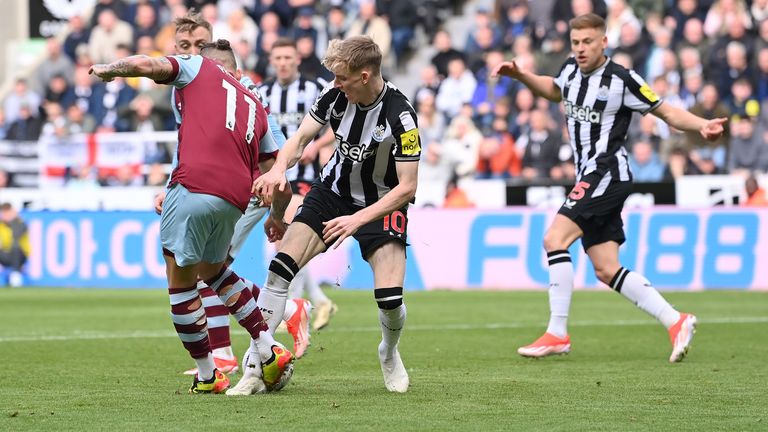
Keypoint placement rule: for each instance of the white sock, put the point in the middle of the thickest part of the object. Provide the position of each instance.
(205, 367)
(296, 289)
(392, 321)
(225, 353)
(272, 300)
(263, 345)
(639, 290)
(290, 309)
(313, 290)
(560, 290)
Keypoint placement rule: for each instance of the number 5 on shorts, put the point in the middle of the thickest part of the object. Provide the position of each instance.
(579, 191)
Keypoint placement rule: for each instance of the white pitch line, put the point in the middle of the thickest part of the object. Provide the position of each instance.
(452, 327)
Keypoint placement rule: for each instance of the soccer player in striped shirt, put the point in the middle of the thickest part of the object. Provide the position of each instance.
(210, 188)
(363, 192)
(599, 97)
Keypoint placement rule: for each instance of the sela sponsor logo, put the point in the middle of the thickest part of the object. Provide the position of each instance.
(582, 113)
(356, 152)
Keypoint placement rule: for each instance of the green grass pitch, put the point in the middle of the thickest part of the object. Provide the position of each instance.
(109, 360)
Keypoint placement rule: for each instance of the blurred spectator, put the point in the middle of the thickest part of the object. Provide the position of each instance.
(564, 10)
(540, 147)
(521, 112)
(460, 145)
(282, 8)
(748, 150)
(56, 123)
(79, 121)
(82, 92)
(482, 43)
(678, 165)
(369, 24)
(755, 194)
(436, 168)
(488, 90)
(240, 26)
(59, 91)
(445, 52)
(539, 16)
(303, 27)
(620, 14)
(107, 99)
(21, 95)
(78, 36)
(497, 154)
(263, 68)
(741, 98)
(761, 74)
(55, 64)
(554, 52)
(124, 176)
(726, 13)
(311, 67)
(645, 164)
(456, 197)
(165, 40)
(4, 181)
(456, 89)
(690, 61)
(692, 85)
(268, 26)
(145, 22)
(729, 59)
(515, 22)
(429, 85)
(709, 106)
(759, 10)
(681, 13)
(654, 65)
(336, 23)
(623, 60)
(632, 44)
(26, 127)
(402, 22)
(116, 6)
(482, 20)
(246, 55)
(141, 116)
(693, 36)
(107, 36)
(14, 244)
(156, 175)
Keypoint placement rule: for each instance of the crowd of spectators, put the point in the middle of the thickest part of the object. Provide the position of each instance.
(708, 56)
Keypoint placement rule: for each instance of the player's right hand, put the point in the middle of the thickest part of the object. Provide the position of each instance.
(509, 69)
(158, 202)
(264, 186)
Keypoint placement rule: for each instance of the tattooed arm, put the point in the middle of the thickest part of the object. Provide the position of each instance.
(155, 68)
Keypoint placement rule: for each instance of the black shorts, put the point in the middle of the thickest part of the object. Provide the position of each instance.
(599, 217)
(321, 205)
(300, 187)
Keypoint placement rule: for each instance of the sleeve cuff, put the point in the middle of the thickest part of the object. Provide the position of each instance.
(174, 73)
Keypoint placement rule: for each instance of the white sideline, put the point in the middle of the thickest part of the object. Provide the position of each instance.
(86, 335)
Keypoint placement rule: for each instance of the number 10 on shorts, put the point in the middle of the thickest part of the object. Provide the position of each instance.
(395, 222)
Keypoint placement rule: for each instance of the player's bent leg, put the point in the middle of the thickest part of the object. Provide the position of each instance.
(559, 237)
(637, 289)
(388, 264)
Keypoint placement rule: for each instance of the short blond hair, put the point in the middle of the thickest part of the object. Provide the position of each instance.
(353, 54)
(587, 21)
(190, 22)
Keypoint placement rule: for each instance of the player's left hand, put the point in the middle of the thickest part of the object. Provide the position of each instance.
(340, 228)
(101, 71)
(713, 129)
(274, 229)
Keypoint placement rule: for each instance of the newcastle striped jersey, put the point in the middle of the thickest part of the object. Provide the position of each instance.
(289, 105)
(369, 140)
(598, 109)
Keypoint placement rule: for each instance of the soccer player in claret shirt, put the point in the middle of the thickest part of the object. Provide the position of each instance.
(291, 96)
(363, 191)
(193, 31)
(599, 97)
(209, 190)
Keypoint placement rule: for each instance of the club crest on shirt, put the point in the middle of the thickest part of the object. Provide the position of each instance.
(602, 93)
(378, 133)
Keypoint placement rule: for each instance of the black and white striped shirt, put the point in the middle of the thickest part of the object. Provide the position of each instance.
(289, 105)
(369, 140)
(598, 109)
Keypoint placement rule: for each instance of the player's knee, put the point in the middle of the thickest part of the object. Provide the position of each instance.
(604, 273)
(553, 242)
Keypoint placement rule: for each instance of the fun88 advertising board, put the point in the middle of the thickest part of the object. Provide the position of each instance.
(449, 249)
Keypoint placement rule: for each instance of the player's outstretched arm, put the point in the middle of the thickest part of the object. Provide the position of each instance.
(155, 68)
(541, 85)
(340, 228)
(686, 121)
(265, 185)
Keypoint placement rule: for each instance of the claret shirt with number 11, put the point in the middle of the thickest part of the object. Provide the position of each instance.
(222, 124)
